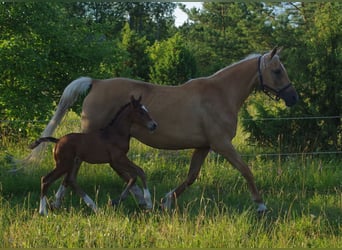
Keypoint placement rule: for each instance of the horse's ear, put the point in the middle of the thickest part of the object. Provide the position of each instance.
(279, 50)
(274, 51)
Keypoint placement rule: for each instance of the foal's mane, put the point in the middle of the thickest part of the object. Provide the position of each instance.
(117, 115)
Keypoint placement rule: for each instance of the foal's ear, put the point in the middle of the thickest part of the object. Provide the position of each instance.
(134, 101)
(139, 99)
(132, 98)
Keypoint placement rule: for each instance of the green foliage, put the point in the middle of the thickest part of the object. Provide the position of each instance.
(312, 34)
(172, 62)
(41, 50)
(223, 33)
(153, 20)
(137, 61)
(44, 46)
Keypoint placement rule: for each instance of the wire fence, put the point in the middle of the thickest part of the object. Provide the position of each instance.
(273, 154)
(250, 119)
(279, 154)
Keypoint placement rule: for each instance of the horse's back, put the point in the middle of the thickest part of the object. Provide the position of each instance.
(177, 110)
(107, 96)
(105, 99)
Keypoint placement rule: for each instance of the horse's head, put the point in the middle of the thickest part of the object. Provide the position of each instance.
(274, 80)
(140, 114)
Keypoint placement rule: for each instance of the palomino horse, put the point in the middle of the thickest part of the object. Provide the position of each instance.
(108, 145)
(201, 114)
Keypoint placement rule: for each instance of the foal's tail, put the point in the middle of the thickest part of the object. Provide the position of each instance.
(68, 98)
(43, 139)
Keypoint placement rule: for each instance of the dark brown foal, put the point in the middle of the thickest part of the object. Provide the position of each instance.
(108, 145)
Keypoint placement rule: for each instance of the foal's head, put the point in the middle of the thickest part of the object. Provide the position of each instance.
(140, 115)
(273, 78)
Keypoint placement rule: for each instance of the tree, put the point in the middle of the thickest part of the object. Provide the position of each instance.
(41, 50)
(225, 33)
(172, 62)
(312, 34)
(150, 19)
(137, 62)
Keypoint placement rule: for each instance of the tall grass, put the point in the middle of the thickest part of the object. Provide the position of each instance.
(303, 194)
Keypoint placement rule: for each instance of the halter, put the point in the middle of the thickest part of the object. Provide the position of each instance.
(267, 89)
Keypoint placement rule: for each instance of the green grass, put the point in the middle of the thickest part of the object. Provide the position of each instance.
(303, 194)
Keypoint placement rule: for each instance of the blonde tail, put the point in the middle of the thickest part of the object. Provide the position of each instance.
(68, 98)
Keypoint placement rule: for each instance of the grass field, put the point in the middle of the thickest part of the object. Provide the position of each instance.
(303, 194)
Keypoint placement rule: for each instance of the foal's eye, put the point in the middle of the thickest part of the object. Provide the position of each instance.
(276, 71)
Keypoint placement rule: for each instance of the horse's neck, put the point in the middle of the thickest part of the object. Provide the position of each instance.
(238, 80)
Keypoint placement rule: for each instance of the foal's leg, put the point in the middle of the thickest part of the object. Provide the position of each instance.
(226, 149)
(140, 172)
(197, 160)
(59, 196)
(63, 187)
(46, 182)
(128, 170)
(125, 192)
(71, 180)
(136, 191)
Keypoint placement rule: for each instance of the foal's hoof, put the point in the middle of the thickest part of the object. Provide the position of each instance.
(262, 209)
(145, 207)
(114, 203)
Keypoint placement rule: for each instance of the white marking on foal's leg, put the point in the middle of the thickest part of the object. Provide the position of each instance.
(42, 206)
(261, 208)
(90, 203)
(59, 196)
(168, 199)
(147, 197)
(138, 194)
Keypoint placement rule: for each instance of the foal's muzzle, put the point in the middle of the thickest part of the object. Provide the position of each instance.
(152, 126)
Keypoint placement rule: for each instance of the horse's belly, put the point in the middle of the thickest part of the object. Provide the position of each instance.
(166, 140)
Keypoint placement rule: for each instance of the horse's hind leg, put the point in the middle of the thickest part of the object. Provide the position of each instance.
(197, 160)
(227, 150)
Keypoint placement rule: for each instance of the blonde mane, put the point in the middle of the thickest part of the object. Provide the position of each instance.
(249, 57)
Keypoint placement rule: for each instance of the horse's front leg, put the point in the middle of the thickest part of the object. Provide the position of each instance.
(226, 149)
(197, 160)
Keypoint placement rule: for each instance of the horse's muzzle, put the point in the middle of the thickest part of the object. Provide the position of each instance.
(290, 96)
